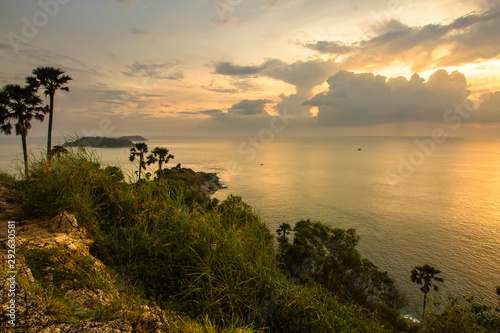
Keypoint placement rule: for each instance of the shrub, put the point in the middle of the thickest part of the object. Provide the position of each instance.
(329, 256)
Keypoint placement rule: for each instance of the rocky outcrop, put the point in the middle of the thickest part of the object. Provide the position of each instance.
(211, 182)
(206, 181)
(60, 249)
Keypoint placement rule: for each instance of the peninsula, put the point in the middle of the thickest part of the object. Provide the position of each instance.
(100, 142)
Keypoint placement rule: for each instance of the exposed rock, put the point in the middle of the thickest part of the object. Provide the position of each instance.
(211, 183)
(154, 318)
(31, 315)
(70, 250)
(60, 232)
(116, 326)
(92, 299)
(63, 223)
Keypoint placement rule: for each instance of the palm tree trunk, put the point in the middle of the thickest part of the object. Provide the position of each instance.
(140, 166)
(423, 313)
(159, 171)
(25, 154)
(49, 134)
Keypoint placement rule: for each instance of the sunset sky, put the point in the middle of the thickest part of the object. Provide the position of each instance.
(349, 67)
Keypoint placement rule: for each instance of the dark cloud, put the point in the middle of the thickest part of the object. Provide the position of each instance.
(302, 74)
(305, 75)
(212, 112)
(227, 68)
(368, 99)
(331, 47)
(249, 107)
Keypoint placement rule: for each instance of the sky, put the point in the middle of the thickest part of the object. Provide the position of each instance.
(261, 67)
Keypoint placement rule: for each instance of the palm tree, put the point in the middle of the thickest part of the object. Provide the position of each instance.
(20, 104)
(52, 79)
(161, 156)
(139, 149)
(425, 275)
(58, 151)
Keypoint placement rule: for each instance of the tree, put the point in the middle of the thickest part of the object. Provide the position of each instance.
(425, 275)
(52, 79)
(160, 156)
(138, 150)
(329, 257)
(58, 151)
(20, 104)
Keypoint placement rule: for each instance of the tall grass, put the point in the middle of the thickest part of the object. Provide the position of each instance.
(186, 251)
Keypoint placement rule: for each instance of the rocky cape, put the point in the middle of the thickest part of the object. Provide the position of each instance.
(206, 181)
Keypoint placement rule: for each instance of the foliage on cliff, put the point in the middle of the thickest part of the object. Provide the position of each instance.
(186, 251)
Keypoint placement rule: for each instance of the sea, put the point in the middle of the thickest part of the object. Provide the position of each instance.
(413, 200)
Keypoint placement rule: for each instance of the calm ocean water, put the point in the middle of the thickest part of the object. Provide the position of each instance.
(412, 203)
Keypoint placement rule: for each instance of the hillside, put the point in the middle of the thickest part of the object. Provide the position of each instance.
(97, 254)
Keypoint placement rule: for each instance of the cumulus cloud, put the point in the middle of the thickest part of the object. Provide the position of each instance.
(249, 107)
(368, 99)
(489, 108)
(466, 39)
(302, 74)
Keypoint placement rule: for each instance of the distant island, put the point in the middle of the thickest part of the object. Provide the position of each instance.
(100, 142)
(133, 138)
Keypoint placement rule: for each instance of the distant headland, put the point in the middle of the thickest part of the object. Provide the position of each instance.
(104, 142)
(133, 138)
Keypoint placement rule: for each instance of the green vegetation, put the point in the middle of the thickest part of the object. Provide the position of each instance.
(464, 315)
(139, 150)
(52, 79)
(20, 105)
(213, 266)
(188, 253)
(425, 275)
(160, 156)
(328, 256)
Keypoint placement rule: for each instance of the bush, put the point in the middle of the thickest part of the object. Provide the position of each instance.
(329, 256)
(464, 315)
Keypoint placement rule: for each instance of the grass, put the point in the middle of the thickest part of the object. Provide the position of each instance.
(212, 265)
(6, 177)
